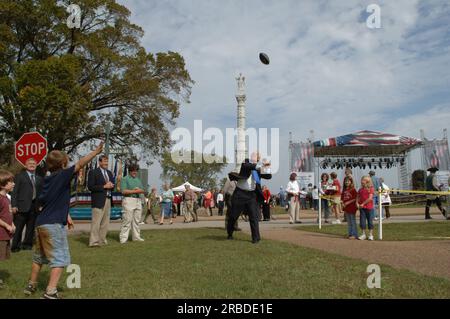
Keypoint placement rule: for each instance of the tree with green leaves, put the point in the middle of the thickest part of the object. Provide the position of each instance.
(67, 83)
(203, 175)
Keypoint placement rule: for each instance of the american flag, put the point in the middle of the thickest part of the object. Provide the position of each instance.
(302, 157)
(437, 154)
(366, 138)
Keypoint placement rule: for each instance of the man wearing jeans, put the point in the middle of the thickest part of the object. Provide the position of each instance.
(132, 189)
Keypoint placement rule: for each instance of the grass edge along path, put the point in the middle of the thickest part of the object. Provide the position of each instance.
(430, 230)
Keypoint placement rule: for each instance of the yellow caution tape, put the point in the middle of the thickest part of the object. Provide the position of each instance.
(420, 192)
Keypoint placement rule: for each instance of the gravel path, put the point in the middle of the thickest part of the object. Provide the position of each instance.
(425, 257)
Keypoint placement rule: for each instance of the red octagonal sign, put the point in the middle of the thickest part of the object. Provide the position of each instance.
(31, 145)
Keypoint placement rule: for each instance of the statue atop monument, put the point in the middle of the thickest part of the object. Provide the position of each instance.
(241, 84)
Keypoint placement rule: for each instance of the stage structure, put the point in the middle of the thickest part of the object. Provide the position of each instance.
(364, 149)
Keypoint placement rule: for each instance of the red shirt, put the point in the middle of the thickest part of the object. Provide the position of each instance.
(364, 194)
(6, 216)
(266, 194)
(348, 195)
(336, 184)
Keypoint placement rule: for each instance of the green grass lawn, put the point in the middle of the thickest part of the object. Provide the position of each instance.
(201, 263)
(434, 230)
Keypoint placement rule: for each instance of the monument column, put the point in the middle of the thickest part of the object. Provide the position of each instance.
(240, 98)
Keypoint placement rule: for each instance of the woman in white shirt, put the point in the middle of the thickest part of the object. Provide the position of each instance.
(385, 199)
(293, 191)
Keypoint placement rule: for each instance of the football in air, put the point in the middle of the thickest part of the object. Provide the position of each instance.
(264, 58)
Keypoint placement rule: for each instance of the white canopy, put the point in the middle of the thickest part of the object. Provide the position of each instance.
(181, 188)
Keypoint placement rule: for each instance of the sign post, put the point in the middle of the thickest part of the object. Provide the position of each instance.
(30, 145)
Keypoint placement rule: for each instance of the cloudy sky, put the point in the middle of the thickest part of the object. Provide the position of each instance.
(329, 72)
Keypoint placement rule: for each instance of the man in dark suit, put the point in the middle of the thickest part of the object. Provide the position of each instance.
(24, 205)
(247, 196)
(100, 183)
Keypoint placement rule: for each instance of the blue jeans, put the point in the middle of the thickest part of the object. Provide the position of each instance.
(325, 208)
(366, 215)
(51, 246)
(167, 209)
(316, 204)
(351, 224)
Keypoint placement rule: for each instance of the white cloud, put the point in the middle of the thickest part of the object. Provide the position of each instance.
(432, 120)
(328, 71)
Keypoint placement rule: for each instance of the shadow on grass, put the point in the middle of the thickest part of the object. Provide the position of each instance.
(4, 275)
(83, 238)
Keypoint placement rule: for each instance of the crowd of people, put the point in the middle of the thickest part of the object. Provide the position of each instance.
(340, 200)
(40, 206)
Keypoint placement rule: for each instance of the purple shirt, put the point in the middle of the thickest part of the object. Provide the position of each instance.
(6, 216)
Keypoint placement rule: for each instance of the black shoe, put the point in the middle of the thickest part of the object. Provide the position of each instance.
(237, 229)
(29, 290)
(51, 296)
(15, 250)
(230, 237)
(27, 247)
(428, 217)
(255, 241)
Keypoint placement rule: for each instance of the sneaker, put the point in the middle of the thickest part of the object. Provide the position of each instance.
(139, 239)
(370, 237)
(29, 289)
(141, 223)
(376, 218)
(362, 237)
(51, 296)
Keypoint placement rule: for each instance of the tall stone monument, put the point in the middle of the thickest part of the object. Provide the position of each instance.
(240, 98)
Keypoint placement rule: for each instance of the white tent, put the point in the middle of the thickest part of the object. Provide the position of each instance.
(181, 188)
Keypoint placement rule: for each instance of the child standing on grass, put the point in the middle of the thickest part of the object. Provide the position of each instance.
(348, 198)
(7, 227)
(51, 245)
(365, 205)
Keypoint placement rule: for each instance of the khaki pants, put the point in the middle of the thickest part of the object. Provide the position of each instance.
(132, 213)
(294, 209)
(189, 211)
(100, 224)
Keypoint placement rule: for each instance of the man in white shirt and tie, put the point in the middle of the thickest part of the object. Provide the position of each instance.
(24, 205)
(101, 185)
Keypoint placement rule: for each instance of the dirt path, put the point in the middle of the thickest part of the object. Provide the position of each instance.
(425, 257)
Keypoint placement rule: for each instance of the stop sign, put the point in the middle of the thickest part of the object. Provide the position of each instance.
(31, 145)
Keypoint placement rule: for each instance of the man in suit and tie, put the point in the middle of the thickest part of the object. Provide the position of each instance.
(24, 205)
(247, 196)
(100, 183)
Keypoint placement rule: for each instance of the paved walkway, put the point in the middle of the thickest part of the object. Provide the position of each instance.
(425, 257)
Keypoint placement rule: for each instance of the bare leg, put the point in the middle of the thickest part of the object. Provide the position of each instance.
(55, 274)
(35, 269)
